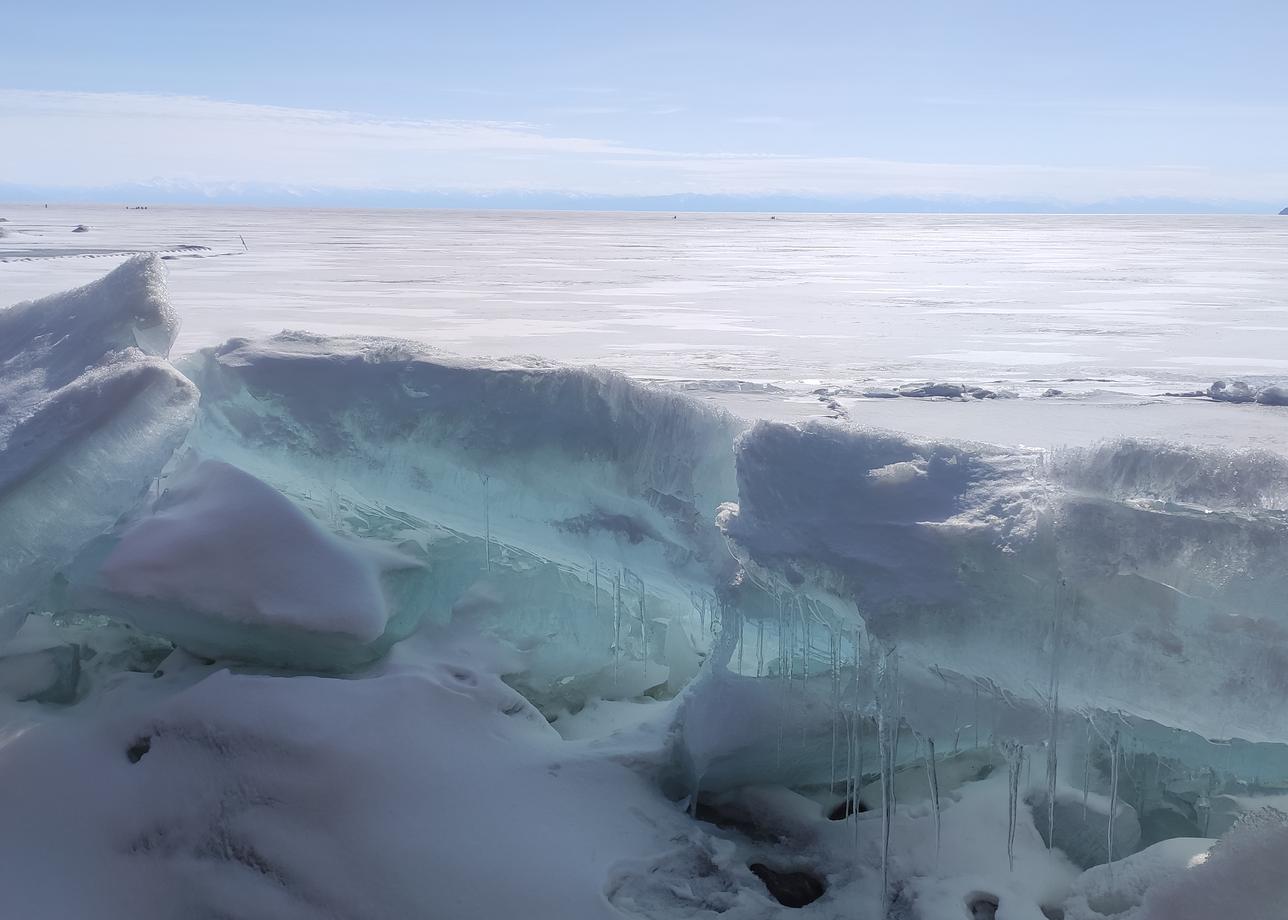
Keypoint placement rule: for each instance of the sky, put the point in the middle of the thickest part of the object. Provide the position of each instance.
(837, 103)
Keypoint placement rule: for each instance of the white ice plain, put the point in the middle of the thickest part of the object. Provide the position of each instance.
(376, 631)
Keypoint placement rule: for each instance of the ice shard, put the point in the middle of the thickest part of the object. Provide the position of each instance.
(90, 412)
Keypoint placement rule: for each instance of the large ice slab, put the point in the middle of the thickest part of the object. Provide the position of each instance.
(90, 411)
(1154, 571)
(569, 509)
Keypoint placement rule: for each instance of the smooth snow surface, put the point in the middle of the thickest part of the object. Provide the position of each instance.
(733, 307)
(373, 630)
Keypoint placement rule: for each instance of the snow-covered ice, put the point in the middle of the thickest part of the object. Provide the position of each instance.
(90, 411)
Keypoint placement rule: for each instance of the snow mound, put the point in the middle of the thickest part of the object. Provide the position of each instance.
(429, 789)
(1242, 876)
(1118, 891)
(223, 548)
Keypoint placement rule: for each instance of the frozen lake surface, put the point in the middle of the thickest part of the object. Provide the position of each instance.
(754, 312)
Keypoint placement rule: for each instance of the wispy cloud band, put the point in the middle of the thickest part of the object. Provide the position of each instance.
(73, 139)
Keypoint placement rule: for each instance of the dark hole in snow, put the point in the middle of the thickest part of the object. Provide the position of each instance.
(136, 750)
(730, 819)
(846, 808)
(1053, 913)
(982, 906)
(790, 889)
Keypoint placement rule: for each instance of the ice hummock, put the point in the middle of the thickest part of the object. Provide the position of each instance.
(807, 655)
(570, 511)
(90, 412)
(963, 555)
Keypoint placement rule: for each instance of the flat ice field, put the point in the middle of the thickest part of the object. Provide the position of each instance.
(786, 317)
(954, 618)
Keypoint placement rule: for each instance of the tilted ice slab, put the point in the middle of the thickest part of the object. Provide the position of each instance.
(570, 509)
(90, 411)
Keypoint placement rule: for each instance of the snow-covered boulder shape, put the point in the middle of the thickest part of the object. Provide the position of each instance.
(90, 411)
(227, 567)
(1157, 569)
(578, 503)
(1117, 892)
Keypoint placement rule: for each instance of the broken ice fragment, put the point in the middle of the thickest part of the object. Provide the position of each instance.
(46, 675)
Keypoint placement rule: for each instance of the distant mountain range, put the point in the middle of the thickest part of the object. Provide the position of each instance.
(276, 196)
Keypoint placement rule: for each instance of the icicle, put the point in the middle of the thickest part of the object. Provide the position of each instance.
(760, 647)
(1053, 705)
(742, 622)
(783, 675)
(1086, 772)
(849, 767)
(809, 643)
(836, 707)
(805, 635)
(977, 715)
(596, 564)
(1015, 763)
(887, 740)
(487, 524)
(858, 772)
(643, 626)
(933, 778)
(617, 625)
(1211, 790)
(1113, 800)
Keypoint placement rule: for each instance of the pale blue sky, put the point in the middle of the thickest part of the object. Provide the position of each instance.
(1062, 101)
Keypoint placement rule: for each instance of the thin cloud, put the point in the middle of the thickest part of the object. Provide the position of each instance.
(87, 140)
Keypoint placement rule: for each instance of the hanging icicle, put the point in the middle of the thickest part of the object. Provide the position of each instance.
(887, 740)
(932, 777)
(1015, 763)
(1113, 800)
